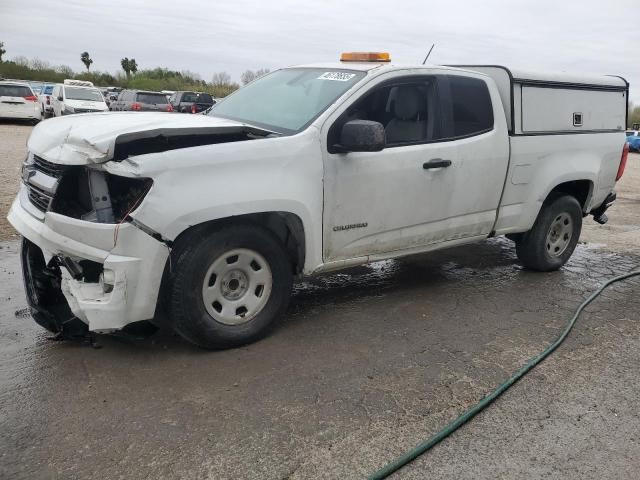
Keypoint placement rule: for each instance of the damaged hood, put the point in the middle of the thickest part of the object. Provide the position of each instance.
(96, 138)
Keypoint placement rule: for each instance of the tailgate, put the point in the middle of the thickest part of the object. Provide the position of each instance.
(153, 102)
(15, 104)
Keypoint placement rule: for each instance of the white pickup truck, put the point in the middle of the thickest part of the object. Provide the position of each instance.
(306, 170)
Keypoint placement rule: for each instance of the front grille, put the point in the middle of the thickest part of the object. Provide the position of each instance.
(39, 199)
(51, 169)
(86, 110)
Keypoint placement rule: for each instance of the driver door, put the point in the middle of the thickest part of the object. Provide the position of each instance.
(394, 201)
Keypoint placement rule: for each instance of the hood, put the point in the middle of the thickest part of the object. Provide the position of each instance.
(100, 137)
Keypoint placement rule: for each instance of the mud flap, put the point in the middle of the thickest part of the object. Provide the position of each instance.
(599, 214)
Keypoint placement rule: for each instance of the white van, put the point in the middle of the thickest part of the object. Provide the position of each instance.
(77, 96)
(306, 170)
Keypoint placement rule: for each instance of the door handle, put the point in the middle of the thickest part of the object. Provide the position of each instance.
(436, 163)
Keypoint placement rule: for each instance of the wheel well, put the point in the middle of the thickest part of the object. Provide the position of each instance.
(580, 189)
(285, 225)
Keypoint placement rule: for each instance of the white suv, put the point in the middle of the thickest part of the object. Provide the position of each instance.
(17, 100)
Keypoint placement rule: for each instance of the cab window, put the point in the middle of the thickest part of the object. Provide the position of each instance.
(407, 107)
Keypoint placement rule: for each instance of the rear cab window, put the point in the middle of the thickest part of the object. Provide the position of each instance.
(152, 98)
(467, 104)
(197, 97)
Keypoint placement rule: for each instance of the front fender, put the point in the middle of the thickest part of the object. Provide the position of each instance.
(195, 185)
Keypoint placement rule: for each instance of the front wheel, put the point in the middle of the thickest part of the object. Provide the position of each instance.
(554, 236)
(229, 286)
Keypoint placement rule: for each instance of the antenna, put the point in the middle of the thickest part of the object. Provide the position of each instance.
(427, 57)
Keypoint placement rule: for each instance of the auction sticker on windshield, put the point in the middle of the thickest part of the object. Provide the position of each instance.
(337, 76)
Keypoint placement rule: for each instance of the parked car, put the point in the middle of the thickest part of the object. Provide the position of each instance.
(208, 218)
(191, 102)
(77, 96)
(633, 139)
(18, 101)
(46, 101)
(141, 101)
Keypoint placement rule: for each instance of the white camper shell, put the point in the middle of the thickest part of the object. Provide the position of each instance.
(559, 103)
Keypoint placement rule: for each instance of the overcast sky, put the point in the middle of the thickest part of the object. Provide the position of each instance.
(585, 36)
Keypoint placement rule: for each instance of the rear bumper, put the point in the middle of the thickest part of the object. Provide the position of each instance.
(23, 114)
(134, 266)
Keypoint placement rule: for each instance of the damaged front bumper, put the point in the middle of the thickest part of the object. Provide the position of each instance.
(109, 274)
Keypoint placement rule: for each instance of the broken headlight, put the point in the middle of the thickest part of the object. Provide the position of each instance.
(127, 194)
(97, 196)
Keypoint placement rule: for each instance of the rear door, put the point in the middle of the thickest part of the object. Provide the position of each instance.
(16, 101)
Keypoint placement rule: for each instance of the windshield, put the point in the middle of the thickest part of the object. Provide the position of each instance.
(287, 100)
(79, 93)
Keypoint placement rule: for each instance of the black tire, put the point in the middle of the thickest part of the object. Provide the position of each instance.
(534, 249)
(192, 258)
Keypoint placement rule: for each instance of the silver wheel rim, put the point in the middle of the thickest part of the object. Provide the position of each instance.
(237, 286)
(559, 235)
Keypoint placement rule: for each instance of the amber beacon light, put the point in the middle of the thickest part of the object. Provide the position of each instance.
(365, 57)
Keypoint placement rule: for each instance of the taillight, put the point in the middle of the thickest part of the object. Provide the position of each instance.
(136, 106)
(31, 98)
(169, 108)
(623, 161)
(194, 109)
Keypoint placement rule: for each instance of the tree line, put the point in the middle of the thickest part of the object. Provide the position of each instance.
(131, 75)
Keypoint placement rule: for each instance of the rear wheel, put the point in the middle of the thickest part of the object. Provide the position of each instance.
(229, 286)
(554, 236)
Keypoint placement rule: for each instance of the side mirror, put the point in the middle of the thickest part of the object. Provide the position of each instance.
(361, 136)
(60, 99)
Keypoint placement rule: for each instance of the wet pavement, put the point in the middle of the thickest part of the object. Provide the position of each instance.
(366, 364)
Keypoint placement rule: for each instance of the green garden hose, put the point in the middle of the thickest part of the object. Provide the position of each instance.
(421, 448)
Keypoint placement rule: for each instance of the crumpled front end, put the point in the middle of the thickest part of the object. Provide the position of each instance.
(82, 183)
(108, 273)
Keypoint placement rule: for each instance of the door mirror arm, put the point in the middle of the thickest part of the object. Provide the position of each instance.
(340, 148)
